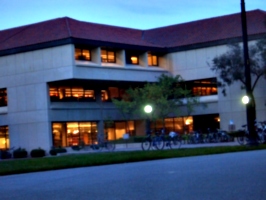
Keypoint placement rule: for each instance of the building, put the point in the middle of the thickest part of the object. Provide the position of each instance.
(58, 77)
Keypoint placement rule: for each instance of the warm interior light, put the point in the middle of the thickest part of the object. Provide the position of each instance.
(134, 60)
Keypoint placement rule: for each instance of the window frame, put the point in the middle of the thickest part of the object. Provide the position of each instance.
(106, 52)
(81, 56)
(3, 97)
(150, 57)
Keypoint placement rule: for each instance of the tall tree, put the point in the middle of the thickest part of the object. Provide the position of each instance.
(230, 65)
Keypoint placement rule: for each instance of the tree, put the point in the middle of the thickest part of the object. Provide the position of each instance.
(230, 65)
(165, 96)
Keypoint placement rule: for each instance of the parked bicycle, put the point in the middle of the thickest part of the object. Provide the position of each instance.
(101, 145)
(105, 144)
(261, 131)
(157, 141)
(196, 137)
(244, 138)
(211, 136)
(222, 136)
(174, 141)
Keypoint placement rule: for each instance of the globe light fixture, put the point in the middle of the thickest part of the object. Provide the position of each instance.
(147, 109)
(245, 99)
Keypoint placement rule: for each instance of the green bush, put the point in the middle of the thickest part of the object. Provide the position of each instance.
(20, 153)
(76, 147)
(55, 150)
(37, 153)
(5, 154)
(138, 139)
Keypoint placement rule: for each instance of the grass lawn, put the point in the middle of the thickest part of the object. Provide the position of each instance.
(16, 166)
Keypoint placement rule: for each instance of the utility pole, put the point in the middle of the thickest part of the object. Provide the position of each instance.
(250, 106)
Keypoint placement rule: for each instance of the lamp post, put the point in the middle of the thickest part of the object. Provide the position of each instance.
(250, 104)
(148, 110)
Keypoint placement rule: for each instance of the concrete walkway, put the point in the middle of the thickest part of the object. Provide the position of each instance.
(137, 147)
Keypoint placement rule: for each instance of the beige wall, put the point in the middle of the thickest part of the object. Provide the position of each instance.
(195, 64)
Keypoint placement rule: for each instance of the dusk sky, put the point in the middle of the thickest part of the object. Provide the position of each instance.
(138, 14)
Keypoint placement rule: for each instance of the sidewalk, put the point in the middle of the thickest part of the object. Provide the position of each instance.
(137, 146)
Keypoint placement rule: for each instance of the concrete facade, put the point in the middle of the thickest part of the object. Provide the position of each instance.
(26, 74)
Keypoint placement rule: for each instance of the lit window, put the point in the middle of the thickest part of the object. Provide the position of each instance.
(134, 60)
(89, 94)
(108, 56)
(152, 60)
(4, 137)
(77, 92)
(82, 54)
(114, 92)
(104, 95)
(203, 87)
(71, 94)
(73, 133)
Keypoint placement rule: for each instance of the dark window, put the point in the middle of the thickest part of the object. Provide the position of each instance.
(152, 59)
(82, 54)
(108, 56)
(3, 97)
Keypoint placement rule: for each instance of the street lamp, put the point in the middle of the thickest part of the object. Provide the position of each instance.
(148, 110)
(245, 99)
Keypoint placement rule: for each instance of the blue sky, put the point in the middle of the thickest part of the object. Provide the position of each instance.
(138, 14)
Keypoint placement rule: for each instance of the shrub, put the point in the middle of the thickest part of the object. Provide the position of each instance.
(5, 154)
(76, 147)
(55, 150)
(37, 153)
(138, 138)
(20, 153)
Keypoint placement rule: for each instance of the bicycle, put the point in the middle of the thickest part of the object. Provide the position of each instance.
(174, 140)
(195, 137)
(102, 144)
(261, 131)
(243, 137)
(158, 141)
(105, 144)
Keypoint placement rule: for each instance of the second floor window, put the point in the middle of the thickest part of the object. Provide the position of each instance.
(203, 87)
(82, 54)
(108, 56)
(152, 59)
(3, 97)
(71, 94)
(132, 58)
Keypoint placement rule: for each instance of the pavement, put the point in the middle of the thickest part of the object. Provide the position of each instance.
(230, 176)
(137, 147)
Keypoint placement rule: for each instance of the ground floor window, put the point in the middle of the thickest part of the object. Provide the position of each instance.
(116, 129)
(4, 137)
(181, 125)
(185, 125)
(71, 133)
